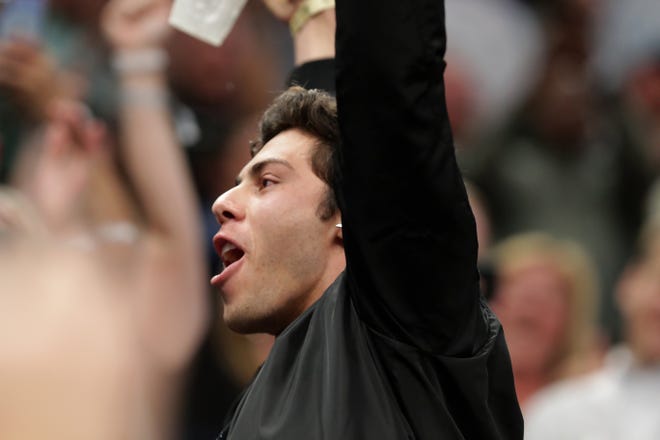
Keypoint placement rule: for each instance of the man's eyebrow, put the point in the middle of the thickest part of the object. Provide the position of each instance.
(256, 167)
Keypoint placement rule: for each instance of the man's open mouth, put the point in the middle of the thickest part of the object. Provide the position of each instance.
(230, 254)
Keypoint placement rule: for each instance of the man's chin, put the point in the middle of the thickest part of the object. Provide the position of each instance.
(246, 325)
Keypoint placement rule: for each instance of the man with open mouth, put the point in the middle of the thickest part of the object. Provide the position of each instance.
(349, 237)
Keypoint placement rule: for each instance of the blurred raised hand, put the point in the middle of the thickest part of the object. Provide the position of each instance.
(136, 24)
(31, 78)
(170, 307)
(314, 38)
(61, 159)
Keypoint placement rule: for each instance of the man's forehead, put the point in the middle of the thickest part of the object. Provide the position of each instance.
(291, 147)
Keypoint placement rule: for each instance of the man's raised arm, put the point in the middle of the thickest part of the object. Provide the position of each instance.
(409, 232)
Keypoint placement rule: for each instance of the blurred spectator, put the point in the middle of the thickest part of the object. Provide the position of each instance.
(69, 365)
(546, 298)
(622, 400)
(627, 64)
(173, 311)
(565, 165)
(147, 238)
(627, 35)
(480, 97)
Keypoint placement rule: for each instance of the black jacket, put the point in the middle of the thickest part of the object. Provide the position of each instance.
(401, 346)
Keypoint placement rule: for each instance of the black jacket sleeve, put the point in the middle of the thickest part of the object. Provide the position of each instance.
(409, 233)
(318, 74)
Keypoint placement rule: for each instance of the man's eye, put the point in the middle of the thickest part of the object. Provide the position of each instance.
(265, 181)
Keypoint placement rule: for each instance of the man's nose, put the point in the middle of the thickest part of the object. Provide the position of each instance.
(228, 206)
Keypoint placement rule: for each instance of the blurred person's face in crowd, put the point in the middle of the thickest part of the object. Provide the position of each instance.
(639, 298)
(278, 254)
(531, 302)
(563, 101)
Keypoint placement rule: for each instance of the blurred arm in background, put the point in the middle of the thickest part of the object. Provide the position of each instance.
(172, 308)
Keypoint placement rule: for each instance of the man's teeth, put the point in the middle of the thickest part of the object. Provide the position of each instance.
(227, 247)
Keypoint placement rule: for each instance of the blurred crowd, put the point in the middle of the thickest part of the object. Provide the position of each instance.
(117, 132)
